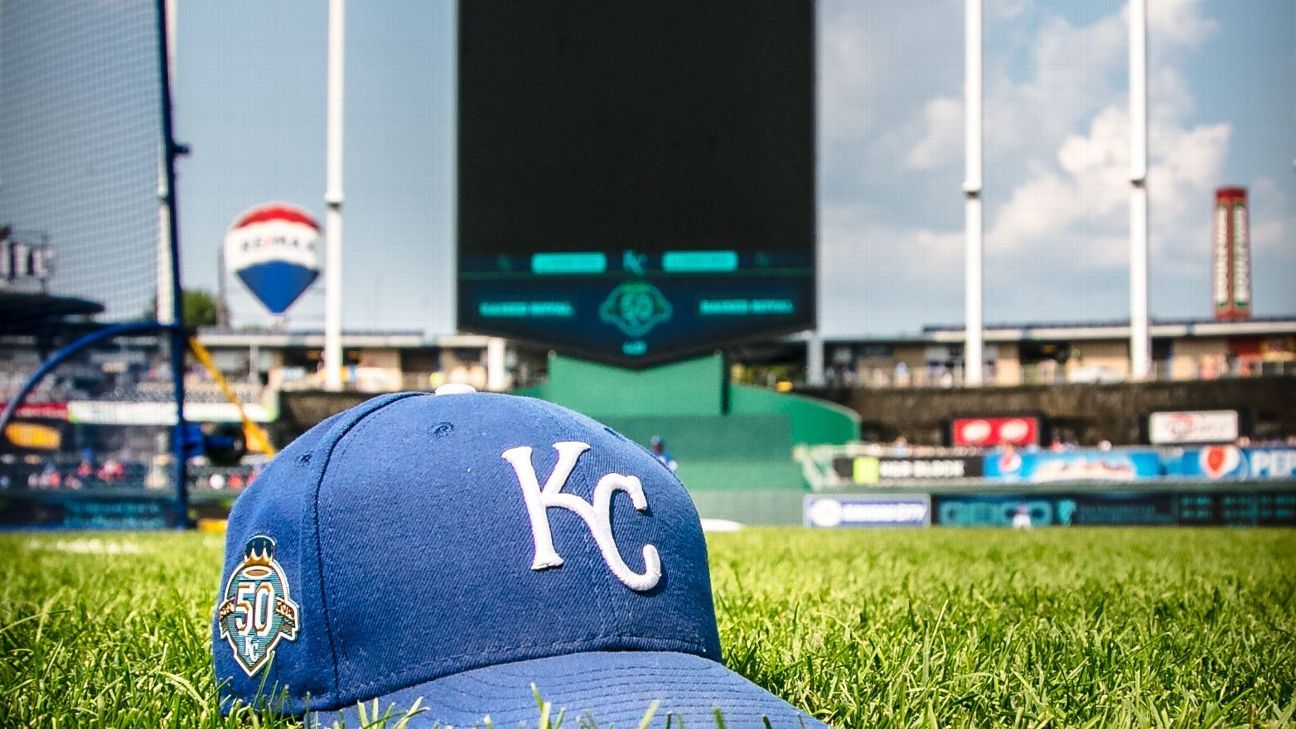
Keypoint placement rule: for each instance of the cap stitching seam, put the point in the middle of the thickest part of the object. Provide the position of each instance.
(319, 552)
(678, 644)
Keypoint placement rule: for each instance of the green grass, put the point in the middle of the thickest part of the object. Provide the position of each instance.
(1147, 628)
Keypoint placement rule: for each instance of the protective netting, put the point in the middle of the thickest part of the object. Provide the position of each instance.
(79, 144)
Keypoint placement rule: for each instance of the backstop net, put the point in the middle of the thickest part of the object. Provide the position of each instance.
(83, 230)
(80, 144)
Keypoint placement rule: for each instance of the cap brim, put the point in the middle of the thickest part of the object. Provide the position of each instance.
(611, 688)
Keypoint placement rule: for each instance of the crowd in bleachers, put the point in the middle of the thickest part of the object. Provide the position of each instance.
(116, 472)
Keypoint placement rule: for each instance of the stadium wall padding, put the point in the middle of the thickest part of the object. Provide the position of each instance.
(691, 387)
(813, 421)
(748, 447)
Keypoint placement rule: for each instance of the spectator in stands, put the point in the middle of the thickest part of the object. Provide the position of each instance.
(111, 471)
(49, 477)
(86, 468)
(901, 374)
(660, 453)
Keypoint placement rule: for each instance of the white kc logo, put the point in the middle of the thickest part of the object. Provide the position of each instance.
(597, 516)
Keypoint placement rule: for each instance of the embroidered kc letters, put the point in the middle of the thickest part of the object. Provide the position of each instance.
(597, 515)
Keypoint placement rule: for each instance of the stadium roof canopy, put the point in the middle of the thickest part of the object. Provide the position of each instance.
(1256, 327)
(29, 313)
(396, 339)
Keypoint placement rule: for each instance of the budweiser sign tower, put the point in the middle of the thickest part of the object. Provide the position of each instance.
(1231, 245)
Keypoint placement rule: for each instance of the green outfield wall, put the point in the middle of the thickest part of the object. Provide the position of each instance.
(726, 438)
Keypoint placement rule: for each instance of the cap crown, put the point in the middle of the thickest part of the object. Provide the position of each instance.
(419, 537)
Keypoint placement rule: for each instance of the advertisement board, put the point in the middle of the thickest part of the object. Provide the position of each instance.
(988, 432)
(866, 470)
(1193, 426)
(1231, 253)
(1047, 466)
(78, 510)
(866, 510)
(1118, 509)
(106, 412)
(1231, 462)
(1055, 510)
(40, 410)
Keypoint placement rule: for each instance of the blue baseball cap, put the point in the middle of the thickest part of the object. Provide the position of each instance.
(451, 551)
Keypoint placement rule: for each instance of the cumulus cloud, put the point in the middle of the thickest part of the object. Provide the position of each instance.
(942, 141)
(1057, 173)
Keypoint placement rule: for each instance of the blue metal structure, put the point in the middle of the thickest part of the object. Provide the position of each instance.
(109, 332)
(178, 335)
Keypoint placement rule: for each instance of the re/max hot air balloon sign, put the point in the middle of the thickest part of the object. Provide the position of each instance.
(274, 250)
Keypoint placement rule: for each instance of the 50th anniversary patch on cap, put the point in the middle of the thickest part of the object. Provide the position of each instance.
(255, 610)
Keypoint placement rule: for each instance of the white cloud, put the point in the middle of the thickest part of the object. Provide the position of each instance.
(1057, 172)
(1005, 9)
(1089, 191)
(942, 142)
(1176, 25)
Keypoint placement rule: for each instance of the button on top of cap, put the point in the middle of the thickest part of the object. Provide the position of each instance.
(454, 388)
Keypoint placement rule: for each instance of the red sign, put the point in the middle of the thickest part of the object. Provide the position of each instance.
(40, 410)
(1231, 255)
(1018, 430)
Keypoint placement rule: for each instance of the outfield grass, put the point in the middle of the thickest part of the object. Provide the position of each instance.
(1156, 627)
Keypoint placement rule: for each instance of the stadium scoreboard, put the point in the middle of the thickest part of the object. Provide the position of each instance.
(636, 179)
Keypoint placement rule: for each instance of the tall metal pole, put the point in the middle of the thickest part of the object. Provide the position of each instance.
(163, 305)
(973, 356)
(1140, 343)
(222, 294)
(333, 199)
(178, 337)
(496, 365)
(814, 358)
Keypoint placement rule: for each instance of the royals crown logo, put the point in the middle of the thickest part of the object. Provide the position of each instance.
(255, 610)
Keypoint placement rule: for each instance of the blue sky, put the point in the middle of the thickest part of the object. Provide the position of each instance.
(249, 98)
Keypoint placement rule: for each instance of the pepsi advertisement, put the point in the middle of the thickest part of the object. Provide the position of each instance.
(1088, 465)
(1216, 463)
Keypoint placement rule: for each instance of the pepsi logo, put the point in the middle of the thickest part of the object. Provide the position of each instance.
(1219, 461)
(1010, 462)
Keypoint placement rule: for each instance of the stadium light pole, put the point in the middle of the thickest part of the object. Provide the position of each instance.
(1139, 342)
(973, 340)
(163, 305)
(333, 201)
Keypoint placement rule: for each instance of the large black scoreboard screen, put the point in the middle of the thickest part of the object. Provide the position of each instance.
(636, 177)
